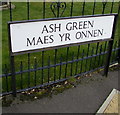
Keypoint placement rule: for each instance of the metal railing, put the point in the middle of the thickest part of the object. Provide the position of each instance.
(58, 66)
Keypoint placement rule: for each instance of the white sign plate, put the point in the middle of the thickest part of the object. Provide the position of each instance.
(32, 35)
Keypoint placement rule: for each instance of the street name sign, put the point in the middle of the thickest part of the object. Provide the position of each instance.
(31, 35)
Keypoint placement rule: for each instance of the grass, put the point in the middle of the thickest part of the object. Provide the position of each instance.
(36, 12)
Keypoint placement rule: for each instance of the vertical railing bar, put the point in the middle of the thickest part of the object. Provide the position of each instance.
(117, 53)
(83, 8)
(105, 46)
(10, 10)
(55, 64)
(82, 61)
(58, 8)
(66, 62)
(97, 48)
(42, 65)
(113, 53)
(112, 6)
(104, 4)
(48, 69)
(118, 57)
(35, 67)
(6, 75)
(101, 50)
(87, 56)
(21, 69)
(96, 51)
(107, 61)
(71, 11)
(118, 8)
(110, 45)
(99, 55)
(28, 17)
(92, 51)
(12, 61)
(72, 64)
(60, 67)
(77, 61)
(94, 7)
(28, 69)
(43, 9)
(13, 81)
(28, 10)
(119, 34)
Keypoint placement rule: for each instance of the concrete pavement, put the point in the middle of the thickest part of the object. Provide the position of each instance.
(86, 97)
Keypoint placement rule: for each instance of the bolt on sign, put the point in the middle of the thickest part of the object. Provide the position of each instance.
(32, 35)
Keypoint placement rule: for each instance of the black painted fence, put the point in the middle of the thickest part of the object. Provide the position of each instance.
(53, 66)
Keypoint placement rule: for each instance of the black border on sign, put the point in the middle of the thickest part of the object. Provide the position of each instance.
(60, 46)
